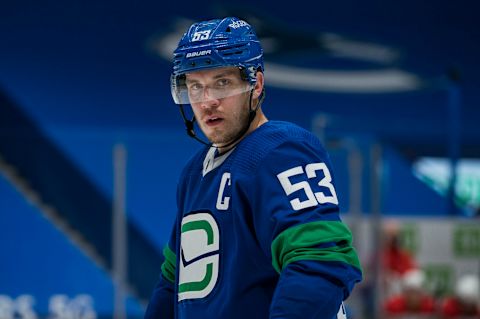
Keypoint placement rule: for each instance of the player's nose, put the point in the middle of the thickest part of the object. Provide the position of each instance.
(209, 103)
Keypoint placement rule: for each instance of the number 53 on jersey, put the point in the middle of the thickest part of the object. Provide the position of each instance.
(313, 173)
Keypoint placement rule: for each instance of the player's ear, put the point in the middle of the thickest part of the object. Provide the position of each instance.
(258, 85)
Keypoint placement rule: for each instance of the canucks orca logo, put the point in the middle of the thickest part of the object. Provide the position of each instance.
(320, 61)
(200, 243)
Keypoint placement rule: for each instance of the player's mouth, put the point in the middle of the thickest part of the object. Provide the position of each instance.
(213, 121)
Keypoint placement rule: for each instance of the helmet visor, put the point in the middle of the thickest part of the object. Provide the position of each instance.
(186, 90)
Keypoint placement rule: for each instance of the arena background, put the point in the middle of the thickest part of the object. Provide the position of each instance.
(91, 144)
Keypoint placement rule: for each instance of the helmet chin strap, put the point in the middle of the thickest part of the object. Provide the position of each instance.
(190, 127)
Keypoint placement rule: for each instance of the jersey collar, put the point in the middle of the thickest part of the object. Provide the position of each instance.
(212, 160)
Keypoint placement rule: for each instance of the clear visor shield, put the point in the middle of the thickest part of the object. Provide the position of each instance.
(193, 91)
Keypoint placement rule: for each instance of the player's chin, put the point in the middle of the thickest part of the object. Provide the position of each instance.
(218, 139)
(220, 136)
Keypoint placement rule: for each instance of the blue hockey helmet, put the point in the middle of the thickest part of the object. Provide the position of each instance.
(213, 44)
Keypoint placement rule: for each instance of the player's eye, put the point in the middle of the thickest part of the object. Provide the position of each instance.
(194, 86)
(223, 83)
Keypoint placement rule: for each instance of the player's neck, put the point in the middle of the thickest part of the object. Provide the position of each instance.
(258, 121)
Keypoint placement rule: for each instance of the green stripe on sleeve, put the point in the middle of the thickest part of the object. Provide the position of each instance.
(301, 243)
(168, 266)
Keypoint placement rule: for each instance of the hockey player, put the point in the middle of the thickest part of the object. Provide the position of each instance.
(257, 231)
(465, 302)
(413, 300)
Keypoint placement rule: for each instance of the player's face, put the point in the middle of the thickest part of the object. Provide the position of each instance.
(220, 102)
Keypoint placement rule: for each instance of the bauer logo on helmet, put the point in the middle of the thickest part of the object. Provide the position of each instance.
(198, 53)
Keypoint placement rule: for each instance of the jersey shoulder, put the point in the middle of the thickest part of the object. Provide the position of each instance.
(283, 138)
(194, 164)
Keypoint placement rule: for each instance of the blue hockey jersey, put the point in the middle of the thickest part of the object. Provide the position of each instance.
(257, 233)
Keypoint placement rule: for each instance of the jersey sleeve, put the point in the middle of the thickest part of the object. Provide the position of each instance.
(161, 304)
(296, 220)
